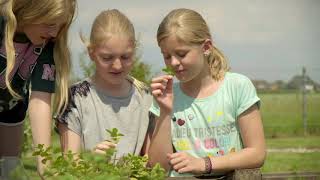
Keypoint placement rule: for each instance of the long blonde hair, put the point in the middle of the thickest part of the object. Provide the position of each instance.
(19, 13)
(189, 27)
(109, 23)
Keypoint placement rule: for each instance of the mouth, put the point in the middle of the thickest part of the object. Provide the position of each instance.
(115, 73)
(180, 71)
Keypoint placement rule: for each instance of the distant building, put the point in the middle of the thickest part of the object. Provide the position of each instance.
(260, 84)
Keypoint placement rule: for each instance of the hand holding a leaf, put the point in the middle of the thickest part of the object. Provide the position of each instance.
(161, 88)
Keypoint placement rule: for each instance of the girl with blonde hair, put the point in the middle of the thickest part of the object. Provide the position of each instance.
(110, 98)
(209, 122)
(34, 51)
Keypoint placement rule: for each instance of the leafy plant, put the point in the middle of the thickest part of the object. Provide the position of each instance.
(88, 166)
(27, 138)
(169, 70)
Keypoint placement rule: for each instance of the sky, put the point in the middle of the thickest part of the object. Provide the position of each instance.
(264, 40)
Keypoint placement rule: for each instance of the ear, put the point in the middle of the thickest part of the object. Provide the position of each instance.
(91, 53)
(207, 46)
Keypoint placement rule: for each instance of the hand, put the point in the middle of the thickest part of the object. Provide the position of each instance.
(103, 146)
(41, 167)
(183, 162)
(161, 88)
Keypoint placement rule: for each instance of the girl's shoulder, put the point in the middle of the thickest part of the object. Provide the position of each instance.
(232, 78)
(235, 82)
(81, 88)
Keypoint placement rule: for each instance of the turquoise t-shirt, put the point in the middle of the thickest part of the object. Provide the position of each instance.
(208, 126)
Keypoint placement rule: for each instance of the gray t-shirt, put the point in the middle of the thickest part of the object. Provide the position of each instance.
(90, 112)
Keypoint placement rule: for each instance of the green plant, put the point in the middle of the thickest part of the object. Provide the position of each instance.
(169, 70)
(88, 166)
(27, 137)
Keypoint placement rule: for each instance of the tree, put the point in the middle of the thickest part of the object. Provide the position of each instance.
(297, 81)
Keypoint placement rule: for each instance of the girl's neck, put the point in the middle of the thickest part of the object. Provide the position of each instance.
(202, 86)
(116, 90)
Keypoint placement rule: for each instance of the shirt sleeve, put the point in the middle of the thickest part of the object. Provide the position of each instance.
(247, 95)
(154, 109)
(71, 115)
(43, 75)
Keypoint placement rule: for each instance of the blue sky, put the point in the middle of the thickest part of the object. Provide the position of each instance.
(262, 39)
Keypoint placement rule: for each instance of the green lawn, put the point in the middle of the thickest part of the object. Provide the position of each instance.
(292, 162)
(282, 114)
(294, 142)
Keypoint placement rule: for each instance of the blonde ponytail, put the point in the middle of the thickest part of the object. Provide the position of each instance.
(217, 63)
(141, 86)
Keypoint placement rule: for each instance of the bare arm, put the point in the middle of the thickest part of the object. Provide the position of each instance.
(40, 120)
(161, 144)
(254, 152)
(147, 139)
(69, 140)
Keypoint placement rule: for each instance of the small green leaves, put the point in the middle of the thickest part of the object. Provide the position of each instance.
(114, 134)
(169, 70)
(88, 166)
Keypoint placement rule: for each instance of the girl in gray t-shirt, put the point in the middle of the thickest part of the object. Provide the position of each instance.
(110, 98)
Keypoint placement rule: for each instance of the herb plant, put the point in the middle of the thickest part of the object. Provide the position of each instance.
(88, 166)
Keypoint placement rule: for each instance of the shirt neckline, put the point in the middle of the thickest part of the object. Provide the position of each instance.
(208, 97)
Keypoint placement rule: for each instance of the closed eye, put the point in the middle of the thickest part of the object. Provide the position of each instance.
(182, 54)
(107, 58)
(126, 57)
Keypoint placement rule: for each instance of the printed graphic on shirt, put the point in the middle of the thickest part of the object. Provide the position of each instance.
(25, 71)
(48, 72)
(25, 61)
(81, 89)
(215, 139)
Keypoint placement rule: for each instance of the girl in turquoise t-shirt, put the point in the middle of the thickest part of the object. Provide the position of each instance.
(209, 122)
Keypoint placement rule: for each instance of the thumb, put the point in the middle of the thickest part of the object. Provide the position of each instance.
(169, 87)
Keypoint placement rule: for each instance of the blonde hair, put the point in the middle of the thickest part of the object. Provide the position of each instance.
(189, 27)
(109, 23)
(19, 13)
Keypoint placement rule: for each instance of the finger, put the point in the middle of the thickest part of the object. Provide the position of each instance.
(157, 93)
(106, 146)
(180, 165)
(185, 169)
(169, 85)
(169, 76)
(175, 155)
(155, 86)
(109, 143)
(159, 79)
(175, 161)
(98, 151)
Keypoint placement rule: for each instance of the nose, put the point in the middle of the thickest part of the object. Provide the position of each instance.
(174, 61)
(53, 32)
(117, 65)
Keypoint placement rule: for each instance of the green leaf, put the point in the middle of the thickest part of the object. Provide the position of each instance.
(169, 70)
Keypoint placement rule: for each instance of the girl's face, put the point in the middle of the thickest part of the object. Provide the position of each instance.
(40, 33)
(113, 59)
(186, 60)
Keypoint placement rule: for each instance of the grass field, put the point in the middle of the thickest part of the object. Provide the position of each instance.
(291, 161)
(282, 114)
